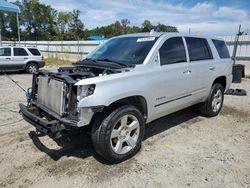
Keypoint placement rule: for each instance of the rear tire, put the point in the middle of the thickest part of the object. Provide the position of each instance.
(117, 136)
(214, 102)
(31, 68)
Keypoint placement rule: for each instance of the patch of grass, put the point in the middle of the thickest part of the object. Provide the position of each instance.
(56, 62)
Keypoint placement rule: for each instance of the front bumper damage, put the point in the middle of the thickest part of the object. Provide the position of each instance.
(52, 124)
(51, 127)
(53, 101)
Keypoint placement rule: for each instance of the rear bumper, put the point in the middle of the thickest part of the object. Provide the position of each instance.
(41, 64)
(49, 127)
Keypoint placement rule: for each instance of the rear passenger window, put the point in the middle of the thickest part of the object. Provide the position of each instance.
(172, 51)
(34, 51)
(20, 52)
(198, 49)
(221, 48)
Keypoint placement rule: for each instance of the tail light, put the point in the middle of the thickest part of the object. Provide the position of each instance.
(42, 58)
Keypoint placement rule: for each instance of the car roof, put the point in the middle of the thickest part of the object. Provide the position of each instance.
(33, 47)
(170, 34)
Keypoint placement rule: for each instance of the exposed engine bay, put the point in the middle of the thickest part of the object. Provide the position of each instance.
(78, 72)
(54, 95)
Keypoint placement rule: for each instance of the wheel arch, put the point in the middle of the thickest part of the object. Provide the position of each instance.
(29, 62)
(221, 80)
(137, 100)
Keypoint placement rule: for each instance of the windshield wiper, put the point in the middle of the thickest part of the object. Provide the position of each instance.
(112, 61)
(89, 59)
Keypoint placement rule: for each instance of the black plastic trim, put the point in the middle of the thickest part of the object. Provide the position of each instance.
(173, 100)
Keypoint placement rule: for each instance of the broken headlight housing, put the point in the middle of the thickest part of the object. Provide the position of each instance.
(84, 91)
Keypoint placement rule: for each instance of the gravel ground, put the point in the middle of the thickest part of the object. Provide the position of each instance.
(180, 150)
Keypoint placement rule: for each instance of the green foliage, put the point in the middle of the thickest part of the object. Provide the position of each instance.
(42, 22)
(63, 19)
(147, 26)
(76, 26)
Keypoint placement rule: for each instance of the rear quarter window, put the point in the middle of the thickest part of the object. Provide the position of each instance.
(34, 51)
(221, 48)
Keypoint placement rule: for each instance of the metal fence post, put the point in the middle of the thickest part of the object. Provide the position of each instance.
(48, 48)
(235, 45)
(0, 34)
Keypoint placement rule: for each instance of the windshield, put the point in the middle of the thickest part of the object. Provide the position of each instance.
(126, 50)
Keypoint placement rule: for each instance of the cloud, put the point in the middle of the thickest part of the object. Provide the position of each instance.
(231, 13)
(209, 18)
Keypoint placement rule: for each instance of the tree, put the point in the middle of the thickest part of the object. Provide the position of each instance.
(63, 19)
(167, 28)
(125, 22)
(76, 26)
(147, 26)
(38, 20)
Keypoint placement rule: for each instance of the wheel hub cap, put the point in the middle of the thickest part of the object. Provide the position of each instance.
(125, 134)
(32, 69)
(217, 101)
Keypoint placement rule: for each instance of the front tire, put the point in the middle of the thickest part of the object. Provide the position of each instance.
(118, 135)
(214, 102)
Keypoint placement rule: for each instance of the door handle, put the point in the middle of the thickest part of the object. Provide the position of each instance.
(8, 58)
(211, 68)
(187, 72)
(26, 58)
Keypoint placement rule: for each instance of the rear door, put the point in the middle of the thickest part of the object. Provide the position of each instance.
(19, 58)
(5, 58)
(201, 66)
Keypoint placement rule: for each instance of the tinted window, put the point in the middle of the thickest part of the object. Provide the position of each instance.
(20, 52)
(34, 51)
(5, 51)
(198, 49)
(221, 48)
(128, 50)
(172, 51)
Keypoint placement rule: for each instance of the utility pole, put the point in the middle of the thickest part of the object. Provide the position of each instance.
(0, 34)
(18, 27)
(236, 45)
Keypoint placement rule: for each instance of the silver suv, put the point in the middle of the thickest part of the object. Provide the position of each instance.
(20, 58)
(128, 82)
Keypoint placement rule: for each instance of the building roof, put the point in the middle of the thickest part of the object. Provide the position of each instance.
(96, 38)
(8, 7)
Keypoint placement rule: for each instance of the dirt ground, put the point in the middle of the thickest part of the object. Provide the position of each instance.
(180, 150)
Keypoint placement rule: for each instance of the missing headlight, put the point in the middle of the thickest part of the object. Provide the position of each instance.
(84, 91)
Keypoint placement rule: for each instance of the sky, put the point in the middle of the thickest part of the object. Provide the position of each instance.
(215, 17)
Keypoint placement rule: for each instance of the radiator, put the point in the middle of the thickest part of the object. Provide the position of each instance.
(51, 94)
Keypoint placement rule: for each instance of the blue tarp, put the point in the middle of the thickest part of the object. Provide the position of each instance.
(96, 38)
(8, 7)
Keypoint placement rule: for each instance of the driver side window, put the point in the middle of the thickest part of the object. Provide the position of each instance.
(172, 51)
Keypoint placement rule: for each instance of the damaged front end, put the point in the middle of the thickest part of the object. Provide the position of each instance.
(54, 97)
